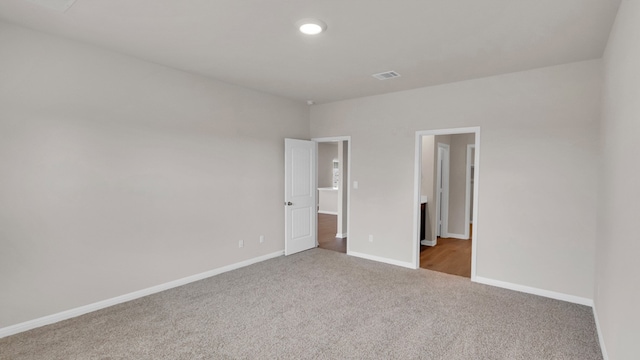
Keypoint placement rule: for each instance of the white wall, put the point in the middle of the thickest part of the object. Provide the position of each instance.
(617, 292)
(119, 174)
(458, 182)
(537, 198)
(327, 152)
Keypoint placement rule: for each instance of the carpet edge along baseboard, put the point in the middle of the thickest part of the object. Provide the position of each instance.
(75, 312)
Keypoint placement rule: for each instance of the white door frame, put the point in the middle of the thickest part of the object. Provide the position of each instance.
(442, 191)
(467, 194)
(348, 141)
(416, 191)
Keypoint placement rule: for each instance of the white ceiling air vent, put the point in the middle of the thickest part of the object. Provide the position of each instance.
(386, 75)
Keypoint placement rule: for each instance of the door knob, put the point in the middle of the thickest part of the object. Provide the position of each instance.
(289, 203)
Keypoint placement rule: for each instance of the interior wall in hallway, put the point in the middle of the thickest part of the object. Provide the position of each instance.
(327, 152)
(458, 182)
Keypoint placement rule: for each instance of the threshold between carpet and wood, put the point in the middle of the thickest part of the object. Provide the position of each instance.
(322, 304)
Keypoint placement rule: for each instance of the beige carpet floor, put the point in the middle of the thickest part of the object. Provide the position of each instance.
(321, 304)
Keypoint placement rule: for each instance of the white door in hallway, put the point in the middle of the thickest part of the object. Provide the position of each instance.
(300, 195)
(442, 191)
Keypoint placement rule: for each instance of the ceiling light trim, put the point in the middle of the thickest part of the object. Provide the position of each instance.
(310, 26)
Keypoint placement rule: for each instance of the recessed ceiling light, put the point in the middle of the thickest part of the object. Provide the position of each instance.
(311, 26)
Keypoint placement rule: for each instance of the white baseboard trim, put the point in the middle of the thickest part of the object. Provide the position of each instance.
(603, 348)
(341, 236)
(68, 314)
(535, 291)
(327, 212)
(382, 259)
(429, 242)
(458, 236)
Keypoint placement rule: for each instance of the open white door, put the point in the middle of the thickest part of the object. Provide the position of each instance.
(299, 195)
(442, 191)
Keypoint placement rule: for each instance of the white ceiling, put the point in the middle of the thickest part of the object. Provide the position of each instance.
(254, 43)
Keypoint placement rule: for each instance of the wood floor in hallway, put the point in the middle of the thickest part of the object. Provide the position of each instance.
(327, 229)
(451, 256)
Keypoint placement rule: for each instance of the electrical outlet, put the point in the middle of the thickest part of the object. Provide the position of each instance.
(370, 238)
(261, 239)
(240, 243)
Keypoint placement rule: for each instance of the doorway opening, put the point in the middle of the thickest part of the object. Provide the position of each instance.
(333, 172)
(446, 193)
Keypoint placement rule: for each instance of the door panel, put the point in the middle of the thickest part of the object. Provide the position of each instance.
(300, 195)
(301, 224)
(442, 191)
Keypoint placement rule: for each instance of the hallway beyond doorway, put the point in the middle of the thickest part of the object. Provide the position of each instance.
(451, 256)
(327, 239)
